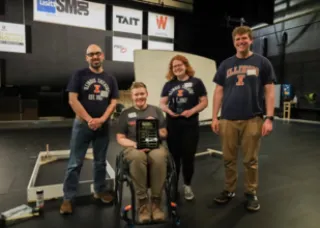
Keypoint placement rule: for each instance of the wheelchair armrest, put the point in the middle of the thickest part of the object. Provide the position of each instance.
(122, 162)
(121, 153)
(164, 143)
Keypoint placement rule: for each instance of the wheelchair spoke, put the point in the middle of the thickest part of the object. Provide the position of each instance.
(123, 175)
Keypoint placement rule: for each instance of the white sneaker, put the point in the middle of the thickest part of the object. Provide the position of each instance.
(188, 194)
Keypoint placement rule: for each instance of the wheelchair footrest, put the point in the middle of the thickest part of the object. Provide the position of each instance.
(173, 217)
(152, 222)
(126, 209)
(157, 222)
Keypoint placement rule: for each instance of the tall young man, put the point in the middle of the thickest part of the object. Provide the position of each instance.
(242, 83)
(92, 95)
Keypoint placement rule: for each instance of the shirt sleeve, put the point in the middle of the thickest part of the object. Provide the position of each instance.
(74, 83)
(220, 76)
(268, 75)
(162, 121)
(115, 88)
(202, 91)
(165, 90)
(123, 123)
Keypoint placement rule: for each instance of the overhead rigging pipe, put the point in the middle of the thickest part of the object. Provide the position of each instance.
(290, 17)
(161, 3)
(284, 40)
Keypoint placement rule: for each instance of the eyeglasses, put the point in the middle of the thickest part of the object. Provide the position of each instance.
(178, 65)
(91, 54)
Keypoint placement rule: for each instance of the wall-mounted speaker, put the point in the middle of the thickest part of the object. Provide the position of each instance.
(2, 72)
(264, 46)
(284, 38)
(2, 7)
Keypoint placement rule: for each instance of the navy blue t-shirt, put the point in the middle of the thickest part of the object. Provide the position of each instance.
(95, 90)
(243, 83)
(183, 95)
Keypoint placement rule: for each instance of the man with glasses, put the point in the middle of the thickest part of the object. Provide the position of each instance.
(93, 96)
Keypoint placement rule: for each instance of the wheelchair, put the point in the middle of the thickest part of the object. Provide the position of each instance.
(122, 174)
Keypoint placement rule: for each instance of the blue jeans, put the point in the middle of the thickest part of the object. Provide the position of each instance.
(81, 137)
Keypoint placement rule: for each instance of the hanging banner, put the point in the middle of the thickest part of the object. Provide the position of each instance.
(70, 12)
(156, 45)
(127, 20)
(160, 25)
(12, 37)
(123, 48)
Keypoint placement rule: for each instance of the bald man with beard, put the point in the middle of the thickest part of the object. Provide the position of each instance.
(93, 96)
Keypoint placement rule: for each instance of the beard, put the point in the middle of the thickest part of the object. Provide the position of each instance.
(95, 65)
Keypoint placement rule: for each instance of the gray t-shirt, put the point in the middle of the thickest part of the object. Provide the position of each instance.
(127, 120)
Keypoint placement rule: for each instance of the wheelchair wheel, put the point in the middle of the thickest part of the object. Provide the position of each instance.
(118, 184)
(116, 181)
(171, 183)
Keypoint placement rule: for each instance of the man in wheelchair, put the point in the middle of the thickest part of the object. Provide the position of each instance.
(138, 159)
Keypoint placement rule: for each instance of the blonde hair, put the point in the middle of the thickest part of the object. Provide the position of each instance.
(241, 30)
(136, 85)
(189, 71)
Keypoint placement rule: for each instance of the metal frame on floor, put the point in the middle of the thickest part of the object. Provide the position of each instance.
(211, 151)
(55, 191)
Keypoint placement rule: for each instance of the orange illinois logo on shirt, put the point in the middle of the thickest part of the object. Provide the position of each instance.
(240, 81)
(180, 93)
(97, 88)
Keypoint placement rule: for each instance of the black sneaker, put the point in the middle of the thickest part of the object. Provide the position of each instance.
(224, 197)
(252, 202)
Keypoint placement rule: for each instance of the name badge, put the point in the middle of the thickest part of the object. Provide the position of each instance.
(104, 93)
(188, 85)
(252, 72)
(132, 115)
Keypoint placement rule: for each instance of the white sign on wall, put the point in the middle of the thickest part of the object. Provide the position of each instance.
(122, 48)
(277, 96)
(144, 67)
(70, 12)
(127, 20)
(160, 25)
(156, 45)
(12, 37)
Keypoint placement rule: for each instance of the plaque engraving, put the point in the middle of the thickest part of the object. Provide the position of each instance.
(177, 105)
(147, 134)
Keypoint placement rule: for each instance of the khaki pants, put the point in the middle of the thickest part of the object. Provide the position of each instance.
(138, 160)
(247, 135)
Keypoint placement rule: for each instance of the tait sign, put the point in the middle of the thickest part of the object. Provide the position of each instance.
(161, 25)
(127, 20)
(70, 12)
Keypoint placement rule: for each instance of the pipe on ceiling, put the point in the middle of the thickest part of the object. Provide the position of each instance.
(289, 17)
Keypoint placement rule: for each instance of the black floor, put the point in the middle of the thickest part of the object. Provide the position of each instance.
(288, 190)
